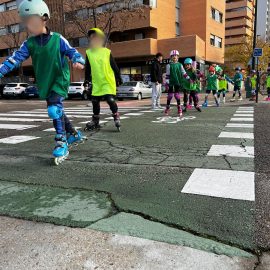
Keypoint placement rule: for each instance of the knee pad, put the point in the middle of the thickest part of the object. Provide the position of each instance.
(177, 96)
(170, 96)
(55, 112)
(110, 99)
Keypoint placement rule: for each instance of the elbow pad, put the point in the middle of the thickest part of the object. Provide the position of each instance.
(11, 63)
(77, 58)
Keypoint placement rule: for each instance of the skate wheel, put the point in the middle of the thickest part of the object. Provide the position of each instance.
(60, 160)
(119, 129)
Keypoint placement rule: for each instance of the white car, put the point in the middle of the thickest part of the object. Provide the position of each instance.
(15, 89)
(133, 89)
(76, 89)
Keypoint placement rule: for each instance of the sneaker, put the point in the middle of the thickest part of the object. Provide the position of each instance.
(241, 98)
(232, 100)
(198, 108)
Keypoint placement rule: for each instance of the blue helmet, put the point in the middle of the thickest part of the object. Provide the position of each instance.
(188, 61)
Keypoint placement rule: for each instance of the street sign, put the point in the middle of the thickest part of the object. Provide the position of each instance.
(258, 52)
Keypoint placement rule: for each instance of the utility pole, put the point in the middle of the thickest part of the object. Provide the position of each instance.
(255, 33)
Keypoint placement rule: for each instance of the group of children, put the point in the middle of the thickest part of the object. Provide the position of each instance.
(49, 52)
(188, 80)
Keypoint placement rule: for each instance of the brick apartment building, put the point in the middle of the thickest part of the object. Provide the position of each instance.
(195, 28)
(240, 15)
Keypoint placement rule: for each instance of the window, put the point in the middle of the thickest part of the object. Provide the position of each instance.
(153, 3)
(177, 29)
(11, 5)
(216, 15)
(3, 31)
(2, 7)
(216, 41)
(15, 28)
(139, 36)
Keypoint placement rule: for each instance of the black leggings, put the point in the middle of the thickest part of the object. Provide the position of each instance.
(109, 99)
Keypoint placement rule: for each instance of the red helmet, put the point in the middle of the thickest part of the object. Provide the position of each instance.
(212, 69)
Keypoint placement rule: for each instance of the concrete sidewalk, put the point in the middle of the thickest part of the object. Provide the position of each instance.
(40, 246)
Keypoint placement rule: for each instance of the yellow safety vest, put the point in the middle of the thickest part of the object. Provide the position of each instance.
(103, 79)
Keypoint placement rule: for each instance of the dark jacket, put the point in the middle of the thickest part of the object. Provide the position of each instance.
(156, 72)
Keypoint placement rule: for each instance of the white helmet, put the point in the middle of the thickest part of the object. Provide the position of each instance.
(174, 52)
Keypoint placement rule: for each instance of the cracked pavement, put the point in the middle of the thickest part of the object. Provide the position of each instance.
(116, 180)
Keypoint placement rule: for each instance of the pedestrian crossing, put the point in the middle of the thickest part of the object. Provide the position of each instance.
(16, 120)
(229, 184)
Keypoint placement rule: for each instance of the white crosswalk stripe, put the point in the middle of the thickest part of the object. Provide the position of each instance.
(242, 119)
(17, 139)
(231, 151)
(236, 135)
(236, 125)
(16, 126)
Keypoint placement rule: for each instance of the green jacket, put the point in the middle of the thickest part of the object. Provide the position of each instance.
(51, 74)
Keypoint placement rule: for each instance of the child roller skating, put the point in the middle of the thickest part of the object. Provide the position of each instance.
(253, 81)
(48, 51)
(176, 73)
(104, 74)
(222, 89)
(191, 86)
(238, 78)
(211, 86)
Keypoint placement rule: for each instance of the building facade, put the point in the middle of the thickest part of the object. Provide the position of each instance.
(240, 16)
(263, 25)
(195, 28)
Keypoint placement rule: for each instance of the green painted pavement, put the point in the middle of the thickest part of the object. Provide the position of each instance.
(56, 205)
(134, 225)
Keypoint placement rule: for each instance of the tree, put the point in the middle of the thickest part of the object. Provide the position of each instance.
(14, 34)
(116, 15)
(240, 55)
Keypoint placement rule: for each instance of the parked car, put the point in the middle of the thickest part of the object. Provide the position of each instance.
(14, 90)
(77, 89)
(133, 89)
(31, 92)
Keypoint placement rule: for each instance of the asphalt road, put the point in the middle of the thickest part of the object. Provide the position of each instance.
(153, 171)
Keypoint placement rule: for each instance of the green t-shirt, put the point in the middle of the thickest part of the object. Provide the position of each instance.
(268, 81)
(192, 84)
(176, 74)
(238, 77)
(51, 74)
(212, 82)
(103, 78)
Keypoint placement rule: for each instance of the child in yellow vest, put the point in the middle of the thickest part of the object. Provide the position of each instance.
(222, 89)
(253, 81)
(102, 72)
(268, 84)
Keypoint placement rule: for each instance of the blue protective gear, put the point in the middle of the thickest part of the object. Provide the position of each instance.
(188, 61)
(61, 148)
(8, 65)
(1, 75)
(55, 112)
(75, 138)
(77, 58)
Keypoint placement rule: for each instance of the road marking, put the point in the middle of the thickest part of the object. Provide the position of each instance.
(231, 151)
(23, 114)
(121, 118)
(16, 127)
(100, 122)
(236, 125)
(151, 111)
(23, 119)
(243, 115)
(245, 108)
(133, 114)
(242, 119)
(53, 129)
(17, 139)
(245, 112)
(236, 135)
(172, 120)
(236, 185)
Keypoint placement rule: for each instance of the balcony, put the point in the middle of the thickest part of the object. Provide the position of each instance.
(239, 4)
(234, 41)
(238, 31)
(134, 48)
(239, 13)
(239, 22)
